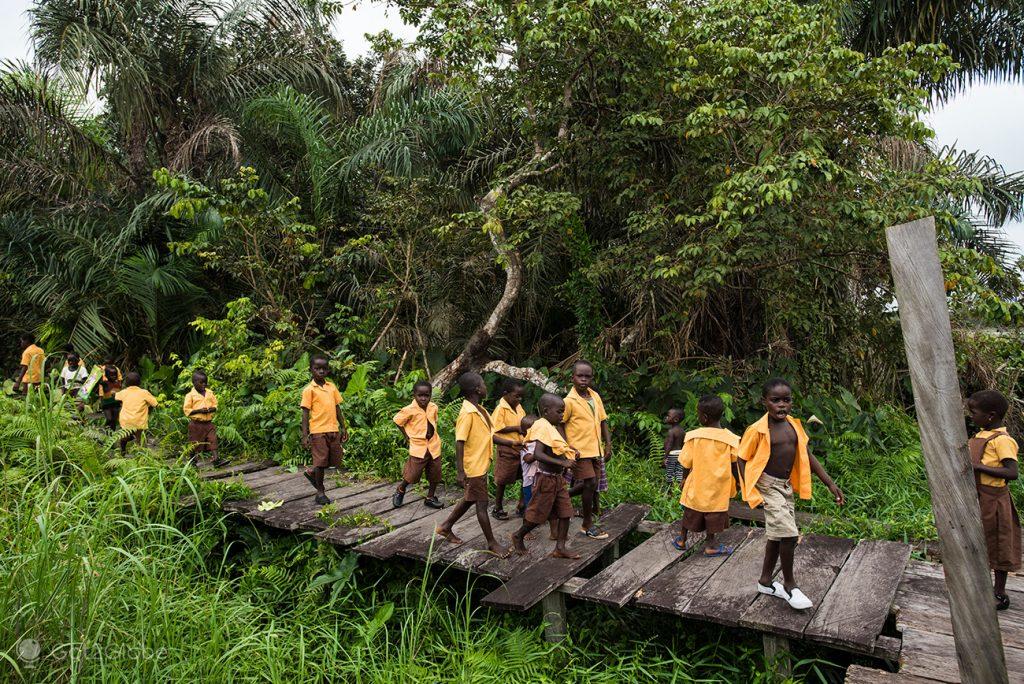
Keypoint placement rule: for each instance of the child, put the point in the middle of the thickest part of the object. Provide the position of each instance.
(135, 405)
(550, 499)
(110, 385)
(994, 456)
(474, 440)
(418, 423)
(673, 443)
(507, 421)
(586, 426)
(323, 426)
(199, 406)
(527, 460)
(31, 371)
(73, 375)
(774, 458)
(708, 458)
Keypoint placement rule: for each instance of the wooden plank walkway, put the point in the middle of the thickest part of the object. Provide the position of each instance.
(856, 587)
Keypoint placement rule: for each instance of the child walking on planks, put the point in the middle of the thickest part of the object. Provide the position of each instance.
(994, 456)
(708, 459)
(673, 443)
(773, 460)
(323, 426)
(418, 423)
(474, 448)
(199, 406)
(507, 421)
(135, 405)
(30, 373)
(586, 428)
(527, 461)
(550, 496)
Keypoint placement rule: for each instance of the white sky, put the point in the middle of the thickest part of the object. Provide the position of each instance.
(986, 117)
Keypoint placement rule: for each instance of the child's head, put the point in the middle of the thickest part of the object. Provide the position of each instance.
(199, 380)
(987, 408)
(674, 416)
(318, 367)
(26, 339)
(421, 392)
(582, 375)
(527, 422)
(132, 379)
(512, 391)
(73, 360)
(110, 373)
(68, 349)
(551, 407)
(777, 397)
(472, 386)
(710, 408)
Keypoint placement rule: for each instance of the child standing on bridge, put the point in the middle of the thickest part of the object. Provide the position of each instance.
(418, 423)
(507, 420)
(586, 427)
(775, 460)
(708, 459)
(323, 426)
(994, 456)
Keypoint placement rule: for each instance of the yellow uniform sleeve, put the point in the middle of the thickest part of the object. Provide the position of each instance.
(402, 417)
(26, 357)
(733, 454)
(337, 396)
(462, 427)
(686, 455)
(599, 410)
(307, 398)
(188, 405)
(1006, 448)
(552, 440)
(748, 444)
(150, 399)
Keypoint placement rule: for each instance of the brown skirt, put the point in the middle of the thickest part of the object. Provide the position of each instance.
(1002, 527)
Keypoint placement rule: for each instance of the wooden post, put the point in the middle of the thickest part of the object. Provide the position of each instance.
(553, 606)
(776, 653)
(928, 338)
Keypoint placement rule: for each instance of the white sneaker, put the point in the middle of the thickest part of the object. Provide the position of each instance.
(799, 600)
(775, 590)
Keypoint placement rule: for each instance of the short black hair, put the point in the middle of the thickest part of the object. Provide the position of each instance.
(582, 362)
(528, 420)
(109, 372)
(317, 357)
(468, 382)
(422, 383)
(510, 384)
(27, 337)
(547, 399)
(991, 401)
(132, 378)
(73, 355)
(200, 372)
(772, 383)
(711, 405)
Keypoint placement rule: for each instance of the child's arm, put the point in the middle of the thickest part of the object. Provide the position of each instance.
(341, 423)
(401, 428)
(22, 369)
(1008, 471)
(670, 444)
(543, 454)
(460, 467)
(510, 429)
(823, 476)
(305, 428)
(561, 431)
(505, 442)
(606, 435)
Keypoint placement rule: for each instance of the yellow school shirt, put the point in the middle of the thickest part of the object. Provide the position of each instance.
(756, 447)
(583, 423)
(547, 434)
(708, 453)
(135, 405)
(194, 400)
(414, 420)
(32, 358)
(996, 451)
(473, 428)
(322, 403)
(505, 416)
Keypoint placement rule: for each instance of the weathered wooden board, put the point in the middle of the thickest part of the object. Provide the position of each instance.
(671, 590)
(933, 656)
(396, 518)
(858, 674)
(473, 554)
(373, 500)
(815, 567)
(728, 593)
(921, 604)
(855, 609)
(526, 589)
(247, 467)
(540, 547)
(618, 583)
(295, 487)
(259, 478)
(388, 545)
(298, 508)
(1014, 582)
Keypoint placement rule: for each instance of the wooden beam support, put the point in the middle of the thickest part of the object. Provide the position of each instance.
(553, 607)
(777, 655)
(928, 338)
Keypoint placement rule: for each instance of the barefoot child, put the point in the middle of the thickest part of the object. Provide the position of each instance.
(994, 456)
(550, 497)
(527, 461)
(708, 460)
(323, 426)
(199, 406)
(474, 448)
(31, 371)
(135, 405)
(418, 423)
(507, 420)
(775, 459)
(673, 443)
(586, 426)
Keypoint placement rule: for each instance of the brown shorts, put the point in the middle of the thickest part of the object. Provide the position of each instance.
(326, 449)
(415, 467)
(549, 500)
(1002, 527)
(476, 489)
(202, 433)
(585, 469)
(507, 468)
(699, 521)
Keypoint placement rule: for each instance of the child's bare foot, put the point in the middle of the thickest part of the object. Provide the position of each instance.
(530, 536)
(518, 545)
(498, 550)
(448, 535)
(565, 554)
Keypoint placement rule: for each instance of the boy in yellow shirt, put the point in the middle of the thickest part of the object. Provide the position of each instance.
(708, 462)
(474, 449)
(774, 459)
(199, 406)
(586, 428)
(994, 457)
(507, 420)
(418, 423)
(135, 405)
(32, 358)
(323, 425)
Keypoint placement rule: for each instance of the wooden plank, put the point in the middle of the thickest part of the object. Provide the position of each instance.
(297, 509)
(538, 548)
(933, 656)
(247, 467)
(928, 339)
(671, 590)
(1014, 582)
(618, 583)
(373, 500)
(921, 604)
(728, 593)
(854, 611)
(473, 554)
(397, 518)
(296, 487)
(858, 674)
(526, 589)
(816, 565)
(388, 545)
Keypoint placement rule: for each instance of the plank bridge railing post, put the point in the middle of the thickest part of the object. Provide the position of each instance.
(928, 338)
